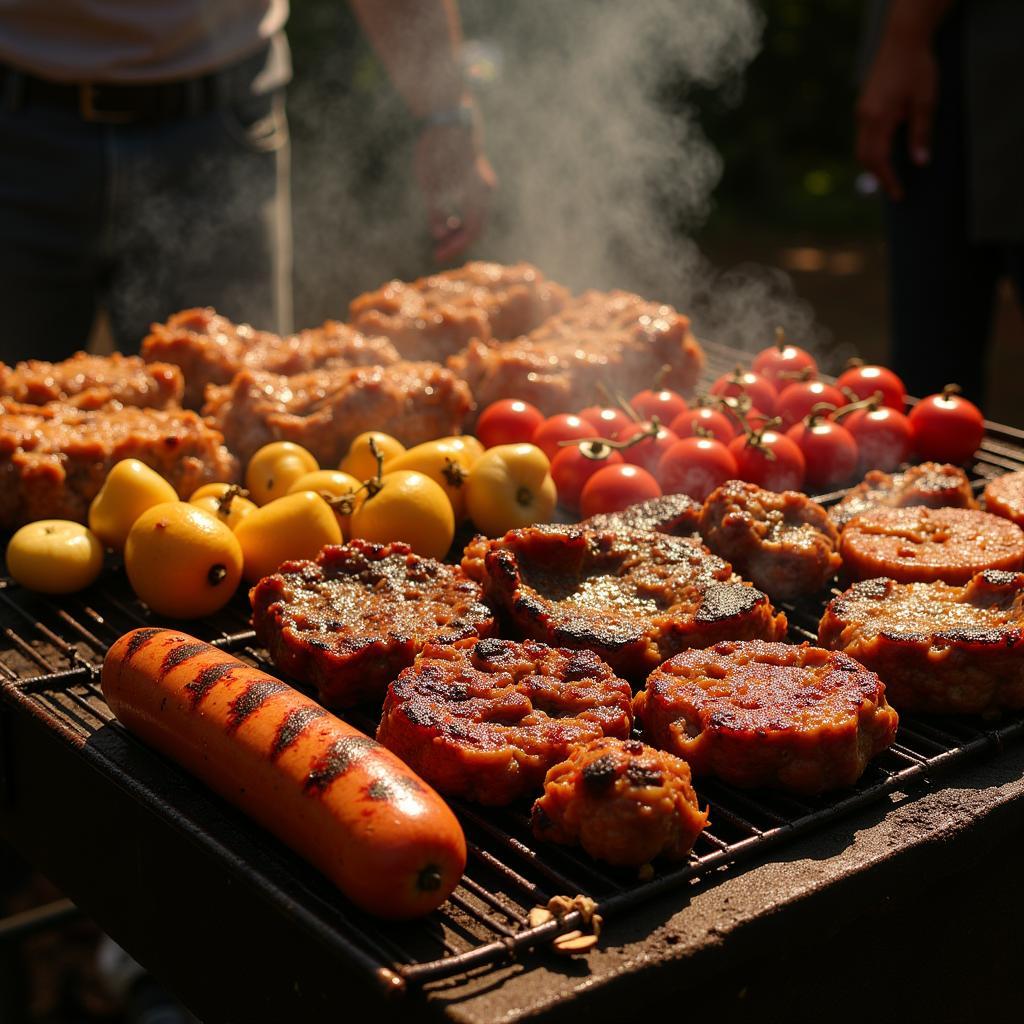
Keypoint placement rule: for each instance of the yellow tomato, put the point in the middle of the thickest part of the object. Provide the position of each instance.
(131, 487)
(360, 461)
(274, 468)
(182, 561)
(333, 483)
(468, 443)
(447, 464)
(226, 501)
(54, 556)
(508, 487)
(409, 507)
(294, 527)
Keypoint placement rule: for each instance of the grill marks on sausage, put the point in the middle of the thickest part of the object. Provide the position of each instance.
(181, 653)
(252, 699)
(292, 727)
(139, 639)
(341, 756)
(206, 680)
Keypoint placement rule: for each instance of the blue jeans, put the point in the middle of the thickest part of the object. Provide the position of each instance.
(143, 218)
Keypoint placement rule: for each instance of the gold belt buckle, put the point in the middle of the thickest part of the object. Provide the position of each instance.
(89, 111)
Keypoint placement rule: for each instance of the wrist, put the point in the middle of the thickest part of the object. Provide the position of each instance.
(914, 22)
(461, 114)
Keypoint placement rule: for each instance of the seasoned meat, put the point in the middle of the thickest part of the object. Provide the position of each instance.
(924, 544)
(612, 340)
(676, 514)
(485, 719)
(352, 620)
(764, 714)
(633, 598)
(324, 409)
(54, 458)
(784, 543)
(1004, 497)
(437, 316)
(93, 382)
(930, 483)
(940, 648)
(622, 801)
(210, 349)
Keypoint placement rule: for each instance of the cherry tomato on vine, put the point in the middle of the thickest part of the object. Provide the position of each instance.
(696, 466)
(797, 400)
(614, 488)
(610, 422)
(883, 435)
(829, 450)
(946, 427)
(573, 466)
(664, 404)
(508, 421)
(562, 427)
(770, 460)
(760, 390)
(864, 381)
(647, 453)
(783, 363)
(713, 421)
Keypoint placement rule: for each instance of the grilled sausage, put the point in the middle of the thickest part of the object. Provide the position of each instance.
(332, 794)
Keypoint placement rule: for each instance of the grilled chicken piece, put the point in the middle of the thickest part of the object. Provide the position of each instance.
(614, 340)
(437, 316)
(622, 801)
(675, 514)
(54, 458)
(324, 409)
(1004, 497)
(93, 382)
(352, 620)
(210, 349)
(634, 599)
(784, 543)
(485, 719)
(789, 717)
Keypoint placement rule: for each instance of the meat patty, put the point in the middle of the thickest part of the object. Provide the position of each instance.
(784, 543)
(352, 620)
(622, 801)
(924, 544)
(599, 340)
(789, 717)
(1004, 496)
(930, 483)
(940, 648)
(54, 458)
(439, 315)
(94, 382)
(485, 719)
(676, 514)
(635, 599)
(325, 409)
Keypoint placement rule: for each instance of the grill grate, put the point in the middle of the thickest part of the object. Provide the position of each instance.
(51, 657)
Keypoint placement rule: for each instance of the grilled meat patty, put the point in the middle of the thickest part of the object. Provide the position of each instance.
(54, 458)
(325, 409)
(210, 349)
(352, 620)
(784, 543)
(939, 648)
(1004, 496)
(622, 801)
(930, 483)
(485, 719)
(677, 514)
(635, 599)
(924, 544)
(600, 339)
(93, 382)
(790, 717)
(437, 316)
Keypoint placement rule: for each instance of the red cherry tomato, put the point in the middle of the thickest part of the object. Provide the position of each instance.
(648, 453)
(696, 466)
(610, 422)
(946, 427)
(797, 400)
(830, 453)
(666, 405)
(563, 427)
(572, 467)
(712, 421)
(883, 435)
(761, 392)
(614, 488)
(783, 364)
(508, 421)
(783, 470)
(864, 381)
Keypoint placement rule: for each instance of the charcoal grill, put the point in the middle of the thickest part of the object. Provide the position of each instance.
(246, 931)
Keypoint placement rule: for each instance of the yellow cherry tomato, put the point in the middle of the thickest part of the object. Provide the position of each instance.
(510, 486)
(226, 501)
(468, 443)
(335, 484)
(274, 468)
(182, 561)
(54, 556)
(446, 463)
(409, 507)
(360, 461)
(291, 528)
(131, 487)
